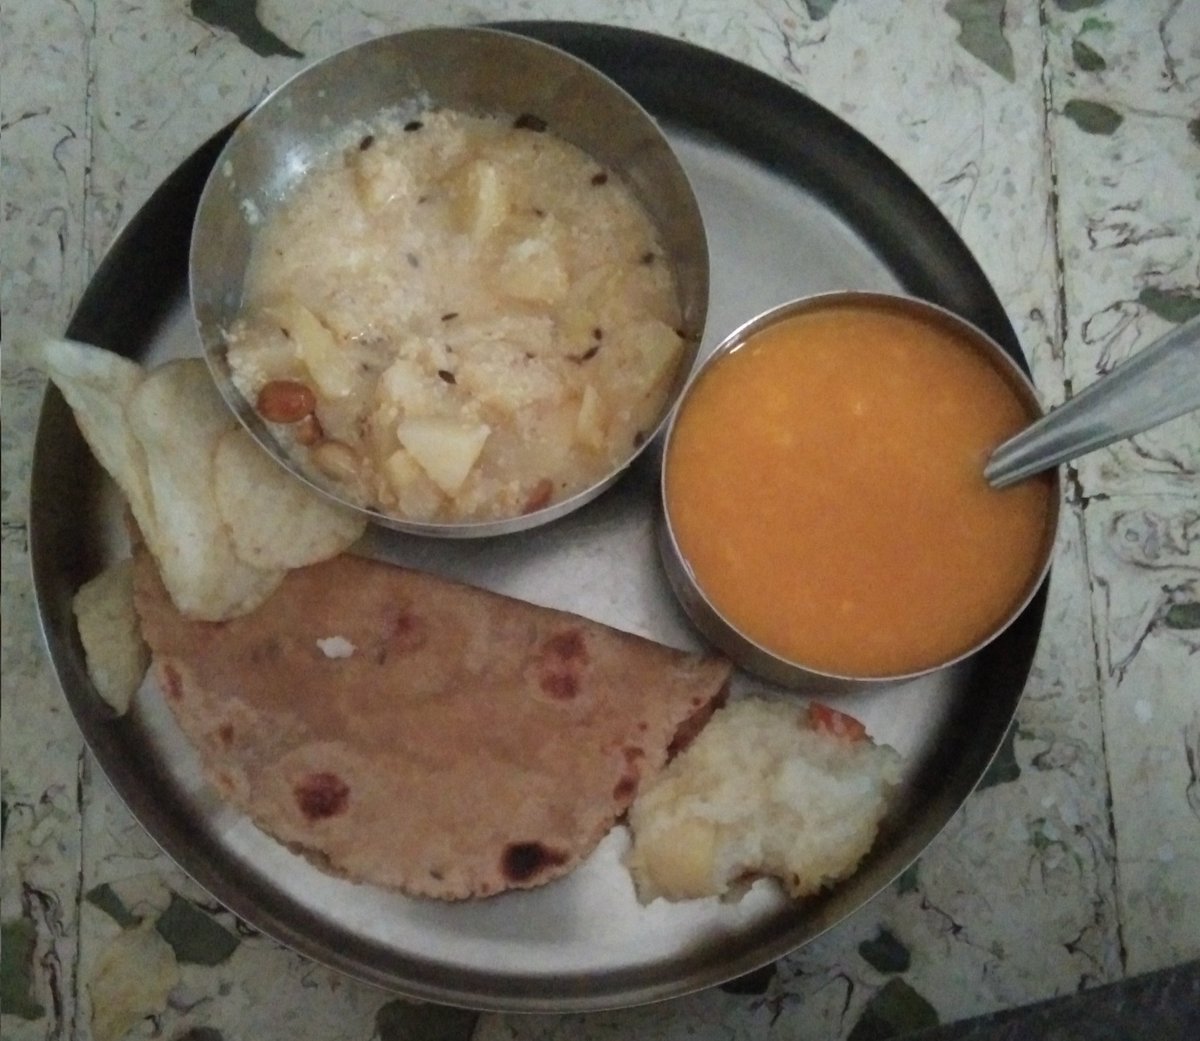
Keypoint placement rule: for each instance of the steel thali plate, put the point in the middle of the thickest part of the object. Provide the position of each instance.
(795, 202)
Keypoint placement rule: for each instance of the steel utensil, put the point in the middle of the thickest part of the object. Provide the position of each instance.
(1159, 383)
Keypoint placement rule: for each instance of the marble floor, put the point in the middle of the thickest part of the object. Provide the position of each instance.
(1061, 138)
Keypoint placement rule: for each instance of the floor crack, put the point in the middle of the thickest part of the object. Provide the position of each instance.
(1077, 509)
(81, 778)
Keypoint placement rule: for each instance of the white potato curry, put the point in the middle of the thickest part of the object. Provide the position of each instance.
(458, 318)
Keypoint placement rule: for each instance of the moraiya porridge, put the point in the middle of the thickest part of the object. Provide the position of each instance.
(458, 318)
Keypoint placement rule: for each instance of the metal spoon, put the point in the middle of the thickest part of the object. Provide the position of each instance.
(1158, 383)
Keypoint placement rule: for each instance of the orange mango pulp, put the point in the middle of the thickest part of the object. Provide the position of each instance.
(825, 484)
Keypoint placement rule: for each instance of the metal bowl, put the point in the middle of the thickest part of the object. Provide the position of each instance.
(724, 633)
(479, 71)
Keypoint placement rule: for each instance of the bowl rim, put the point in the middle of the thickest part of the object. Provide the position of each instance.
(749, 653)
(692, 342)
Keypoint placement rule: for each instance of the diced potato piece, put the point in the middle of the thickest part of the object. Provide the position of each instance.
(532, 270)
(599, 286)
(599, 299)
(590, 424)
(414, 490)
(331, 369)
(417, 392)
(658, 347)
(478, 199)
(445, 448)
(401, 469)
(541, 440)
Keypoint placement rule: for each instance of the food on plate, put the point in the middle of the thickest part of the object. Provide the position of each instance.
(222, 520)
(178, 419)
(275, 521)
(843, 521)
(458, 318)
(405, 730)
(767, 788)
(98, 385)
(117, 657)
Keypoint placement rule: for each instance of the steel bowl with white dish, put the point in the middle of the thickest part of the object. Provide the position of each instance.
(482, 72)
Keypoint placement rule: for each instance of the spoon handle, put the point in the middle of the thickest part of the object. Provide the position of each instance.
(1158, 383)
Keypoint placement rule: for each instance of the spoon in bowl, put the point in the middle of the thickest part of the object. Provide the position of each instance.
(1158, 383)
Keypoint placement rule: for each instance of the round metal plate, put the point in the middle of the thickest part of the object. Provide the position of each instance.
(795, 202)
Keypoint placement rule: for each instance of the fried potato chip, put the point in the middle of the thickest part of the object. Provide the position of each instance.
(275, 520)
(98, 385)
(178, 417)
(116, 655)
(221, 519)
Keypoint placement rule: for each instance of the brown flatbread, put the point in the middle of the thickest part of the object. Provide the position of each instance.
(406, 730)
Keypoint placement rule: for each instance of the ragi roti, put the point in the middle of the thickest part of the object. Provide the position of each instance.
(401, 729)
